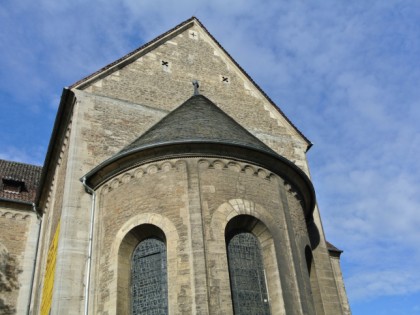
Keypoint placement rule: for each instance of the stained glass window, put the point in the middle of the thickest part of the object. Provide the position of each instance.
(149, 287)
(247, 278)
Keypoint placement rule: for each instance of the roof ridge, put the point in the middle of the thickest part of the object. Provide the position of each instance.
(22, 163)
(256, 85)
(110, 65)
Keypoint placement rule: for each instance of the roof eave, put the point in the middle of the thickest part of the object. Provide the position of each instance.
(163, 151)
(60, 125)
(21, 202)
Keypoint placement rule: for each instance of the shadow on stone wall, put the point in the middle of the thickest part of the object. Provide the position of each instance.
(313, 232)
(9, 272)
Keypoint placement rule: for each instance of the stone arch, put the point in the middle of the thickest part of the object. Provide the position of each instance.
(252, 217)
(128, 237)
(134, 256)
(247, 272)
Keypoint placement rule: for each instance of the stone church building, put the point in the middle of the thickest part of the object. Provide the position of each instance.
(172, 185)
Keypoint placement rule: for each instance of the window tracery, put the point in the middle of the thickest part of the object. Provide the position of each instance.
(247, 276)
(149, 287)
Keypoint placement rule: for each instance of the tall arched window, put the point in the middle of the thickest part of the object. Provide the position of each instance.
(149, 285)
(247, 277)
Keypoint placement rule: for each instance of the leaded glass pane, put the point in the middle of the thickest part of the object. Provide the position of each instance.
(149, 288)
(247, 278)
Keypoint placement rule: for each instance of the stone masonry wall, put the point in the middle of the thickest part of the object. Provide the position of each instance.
(148, 82)
(17, 246)
(52, 215)
(184, 198)
(111, 124)
(335, 261)
(156, 190)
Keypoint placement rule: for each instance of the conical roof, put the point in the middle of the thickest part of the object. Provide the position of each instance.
(199, 128)
(197, 120)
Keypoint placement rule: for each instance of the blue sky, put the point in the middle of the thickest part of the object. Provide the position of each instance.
(347, 73)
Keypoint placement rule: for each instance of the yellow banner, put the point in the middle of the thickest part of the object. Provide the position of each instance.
(49, 274)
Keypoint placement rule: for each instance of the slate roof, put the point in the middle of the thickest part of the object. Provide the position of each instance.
(24, 177)
(332, 248)
(197, 120)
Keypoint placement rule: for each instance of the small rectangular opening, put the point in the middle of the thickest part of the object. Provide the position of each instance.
(13, 186)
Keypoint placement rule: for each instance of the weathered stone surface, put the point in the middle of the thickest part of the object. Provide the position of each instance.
(18, 236)
(194, 201)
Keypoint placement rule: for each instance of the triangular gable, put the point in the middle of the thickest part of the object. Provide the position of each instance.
(142, 50)
(165, 37)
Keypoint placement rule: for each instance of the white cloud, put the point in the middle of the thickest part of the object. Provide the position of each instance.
(345, 73)
(370, 284)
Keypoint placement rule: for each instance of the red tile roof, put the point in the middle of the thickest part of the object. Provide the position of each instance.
(19, 181)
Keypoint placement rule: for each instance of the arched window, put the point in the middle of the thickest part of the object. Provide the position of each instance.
(149, 285)
(247, 277)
